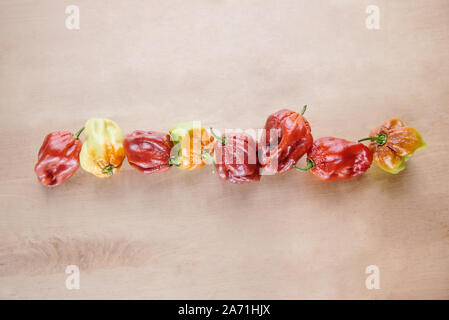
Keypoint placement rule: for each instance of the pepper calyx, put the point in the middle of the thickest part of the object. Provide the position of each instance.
(109, 170)
(381, 139)
(173, 162)
(310, 165)
(303, 110)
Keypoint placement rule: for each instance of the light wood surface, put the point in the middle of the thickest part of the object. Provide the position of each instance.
(151, 64)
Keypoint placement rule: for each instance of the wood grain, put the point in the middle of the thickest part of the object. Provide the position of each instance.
(150, 64)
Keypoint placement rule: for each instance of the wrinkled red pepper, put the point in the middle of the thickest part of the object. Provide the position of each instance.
(337, 159)
(58, 158)
(286, 138)
(148, 151)
(236, 157)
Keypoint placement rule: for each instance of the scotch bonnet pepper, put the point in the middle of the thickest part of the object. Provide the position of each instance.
(58, 158)
(102, 153)
(148, 151)
(189, 142)
(286, 138)
(393, 143)
(337, 159)
(236, 158)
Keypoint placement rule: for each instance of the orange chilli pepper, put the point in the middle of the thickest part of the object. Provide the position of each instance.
(393, 143)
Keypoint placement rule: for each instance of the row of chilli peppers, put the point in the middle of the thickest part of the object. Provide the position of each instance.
(237, 157)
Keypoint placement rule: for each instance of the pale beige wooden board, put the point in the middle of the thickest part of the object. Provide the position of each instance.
(150, 64)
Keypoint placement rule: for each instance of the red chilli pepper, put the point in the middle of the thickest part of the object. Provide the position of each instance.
(287, 137)
(148, 151)
(236, 158)
(58, 158)
(337, 159)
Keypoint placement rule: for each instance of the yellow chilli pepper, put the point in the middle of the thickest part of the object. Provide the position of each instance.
(191, 143)
(102, 153)
(393, 143)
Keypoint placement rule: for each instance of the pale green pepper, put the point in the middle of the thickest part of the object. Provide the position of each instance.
(190, 140)
(102, 153)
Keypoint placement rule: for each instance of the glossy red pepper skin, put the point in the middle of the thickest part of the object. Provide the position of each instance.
(236, 159)
(339, 159)
(148, 151)
(58, 158)
(279, 152)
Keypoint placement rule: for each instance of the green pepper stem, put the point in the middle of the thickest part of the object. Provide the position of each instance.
(303, 110)
(109, 170)
(380, 139)
(310, 165)
(222, 139)
(206, 155)
(77, 134)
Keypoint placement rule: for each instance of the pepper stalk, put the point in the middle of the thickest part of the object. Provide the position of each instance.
(223, 140)
(381, 139)
(206, 155)
(310, 165)
(77, 134)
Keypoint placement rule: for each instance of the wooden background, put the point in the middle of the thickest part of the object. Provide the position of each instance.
(151, 64)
